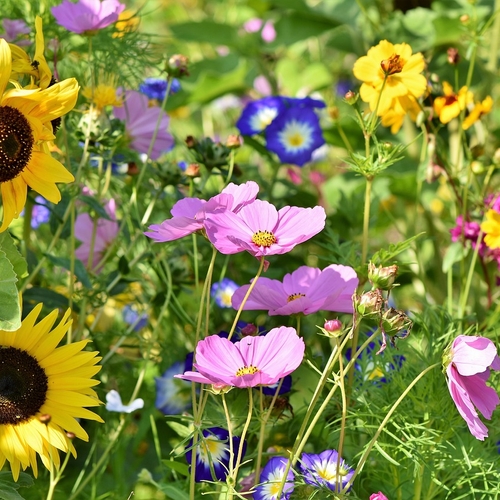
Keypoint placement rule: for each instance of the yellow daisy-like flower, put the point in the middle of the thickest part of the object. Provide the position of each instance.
(389, 72)
(491, 229)
(128, 22)
(44, 389)
(401, 106)
(104, 94)
(450, 105)
(480, 109)
(26, 118)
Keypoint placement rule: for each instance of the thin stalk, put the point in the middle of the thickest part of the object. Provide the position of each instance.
(366, 220)
(344, 414)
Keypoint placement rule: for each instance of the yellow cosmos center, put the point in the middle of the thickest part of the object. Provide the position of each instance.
(295, 296)
(392, 65)
(247, 370)
(264, 238)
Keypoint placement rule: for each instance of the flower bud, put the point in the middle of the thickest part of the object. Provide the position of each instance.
(464, 19)
(453, 56)
(496, 157)
(351, 97)
(333, 326)
(249, 330)
(145, 476)
(220, 388)
(369, 303)
(177, 66)
(394, 321)
(382, 277)
(192, 170)
(333, 112)
(233, 141)
(190, 142)
(477, 167)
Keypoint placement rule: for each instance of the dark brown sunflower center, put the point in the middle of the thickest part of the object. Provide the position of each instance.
(16, 143)
(23, 386)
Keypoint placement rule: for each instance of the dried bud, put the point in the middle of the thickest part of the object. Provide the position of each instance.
(45, 418)
(233, 141)
(192, 170)
(394, 321)
(369, 303)
(190, 142)
(351, 97)
(70, 435)
(177, 66)
(249, 329)
(382, 277)
(453, 56)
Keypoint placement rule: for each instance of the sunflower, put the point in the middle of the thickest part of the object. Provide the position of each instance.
(25, 130)
(44, 389)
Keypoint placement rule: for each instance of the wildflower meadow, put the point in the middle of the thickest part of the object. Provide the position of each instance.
(249, 249)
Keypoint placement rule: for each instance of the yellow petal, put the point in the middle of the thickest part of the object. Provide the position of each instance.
(5, 65)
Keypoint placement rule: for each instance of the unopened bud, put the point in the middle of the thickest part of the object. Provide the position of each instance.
(233, 141)
(453, 56)
(220, 388)
(177, 66)
(382, 277)
(496, 157)
(369, 303)
(464, 19)
(249, 330)
(394, 321)
(145, 476)
(477, 167)
(333, 328)
(351, 97)
(190, 142)
(70, 435)
(45, 418)
(333, 112)
(192, 170)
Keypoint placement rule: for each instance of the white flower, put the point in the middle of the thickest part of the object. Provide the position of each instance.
(114, 403)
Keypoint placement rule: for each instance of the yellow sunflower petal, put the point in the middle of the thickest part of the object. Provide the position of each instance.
(14, 194)
(43, 68)
(5, 65)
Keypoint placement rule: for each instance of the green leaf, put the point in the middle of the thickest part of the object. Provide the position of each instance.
(95, 206)
(123, 266)
(206, 31)
(80, 271)
(16, 259)
(180, 429)
(57, 214)
(8, 487)
(173, 492)
(296, 27)
(384, 256)
(50, 299)
(9, 493)
(179, 467)
(455, 253)
(10, 311)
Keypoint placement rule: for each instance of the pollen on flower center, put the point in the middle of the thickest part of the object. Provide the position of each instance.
(23, 386)
(295, 296)
(392, 65)
(264, 238)
(16, 143)
(247, 370)
(296, 139)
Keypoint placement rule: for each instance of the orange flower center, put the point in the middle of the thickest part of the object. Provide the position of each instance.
(295, 296)
(247, 370)
(392, 65)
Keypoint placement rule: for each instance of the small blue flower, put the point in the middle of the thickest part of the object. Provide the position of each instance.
(131, 317)
(271, 478)
(286, 386)
(212, 453)
(182, 165)
(222, 292)
(155, 88)
(173, 395)
(321, 470)
(257, 115)
(343, 86)
(294, 135)
(303, 102)
(40, 213)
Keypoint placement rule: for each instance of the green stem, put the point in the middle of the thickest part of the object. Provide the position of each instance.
(495, 39)
(344, 414)
(366, 220)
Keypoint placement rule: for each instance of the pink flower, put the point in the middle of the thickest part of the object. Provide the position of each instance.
(189, 213)
(469, 362)
(140, 123)
(306, 290)
(378, 496)
(251, 361)
(260, 229)
(268, 32)
(15, 28)
(105, 233)
(87, 15)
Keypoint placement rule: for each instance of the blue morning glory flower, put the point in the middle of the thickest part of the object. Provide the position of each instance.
(271, 478)
(294, 135)
(257, 115)
(321, 470)
(40, 213)
(286, 386)
(303, 102)
(173, 395)
(155, 88)
(132, 317)
(212, 452)
(222, 291)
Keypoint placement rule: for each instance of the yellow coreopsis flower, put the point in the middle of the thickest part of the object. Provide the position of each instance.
(128, 22)
(395, 116)
(491, 229)
(389, 72)
(480, 109)
(26, 128)
(44, 391)
(104, 94)
(450, 105)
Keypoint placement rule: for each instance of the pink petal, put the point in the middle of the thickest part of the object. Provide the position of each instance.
(472, 355)
(297, 225)
(173, 229)
(242, 194)
(267, 295)
(484, 398)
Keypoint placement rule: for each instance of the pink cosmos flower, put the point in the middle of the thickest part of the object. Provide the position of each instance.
(261, 229)
(14, 29)
(106, 231)
(140, 124)
(468, 369)
(87, 15)
(306, 290)
(378, 496)
(189, 214)
(251, 361)
(268, 32)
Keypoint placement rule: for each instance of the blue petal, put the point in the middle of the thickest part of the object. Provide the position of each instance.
(257, 115)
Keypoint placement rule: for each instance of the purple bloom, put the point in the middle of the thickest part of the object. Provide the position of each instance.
(189, 214)
(140, 123)
(132, 317)
(321, 470)
(257, 115)
(271, 478)
(306, 290)
(87, 15)
(15, 28)
(173, 396)
(468, 365)
(267, 31)
(40, 213)
(155, 88)
(286, 386)
(212, 449)
(261, 229)
(222, 291)
(470, 230)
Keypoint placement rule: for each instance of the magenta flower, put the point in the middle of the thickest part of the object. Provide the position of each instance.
(260, 229)
(140, 124)
(468, 364)
(87, 15)
(252, 361)
(306, 290)
(14, 29)
(105, 233)
(189, 214)
(378, 496)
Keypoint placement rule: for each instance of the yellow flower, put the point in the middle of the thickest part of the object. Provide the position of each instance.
(104, 94)
(480, 109)
(26, 118)
(491, 229)
(401, 106)
(389, 72)
(450, 105)
(127, 22)
(44, 390)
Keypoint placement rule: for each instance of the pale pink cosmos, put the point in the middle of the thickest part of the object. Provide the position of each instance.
(105, 233)
(189, 214)
(306, 290)
(250, 362)
(261, 229)
(140, 124)
(469, 362)
(14, 29)
(87, 15)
